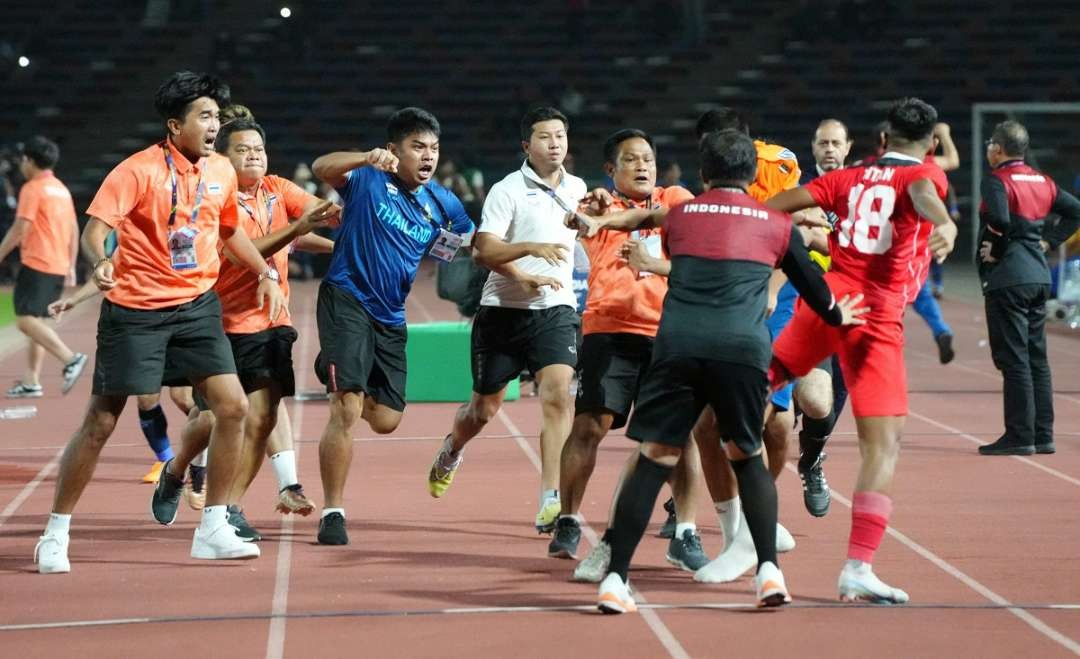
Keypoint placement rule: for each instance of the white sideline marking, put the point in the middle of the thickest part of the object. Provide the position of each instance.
(29, 488)
(975, 440)
(663, 634)
(275, 638)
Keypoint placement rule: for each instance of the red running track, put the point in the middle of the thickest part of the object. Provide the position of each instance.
(985, 546)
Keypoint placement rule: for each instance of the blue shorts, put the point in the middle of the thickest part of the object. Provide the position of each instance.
(776, 322)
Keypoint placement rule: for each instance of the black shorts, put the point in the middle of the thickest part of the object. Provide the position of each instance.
(35, 291)
(135, 345)
(261, 357)
(610, 372)
(358, 353)
(506, 341)
(677, 389)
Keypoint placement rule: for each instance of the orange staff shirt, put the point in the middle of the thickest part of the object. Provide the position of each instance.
(46, 204)
(135, 199)
(619, 301)
(777, 170)
(236, 285)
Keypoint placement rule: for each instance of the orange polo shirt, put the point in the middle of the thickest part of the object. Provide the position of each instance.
(236, 285)
(46, 204)
(777, 170)
(135, 199)
(620, 301)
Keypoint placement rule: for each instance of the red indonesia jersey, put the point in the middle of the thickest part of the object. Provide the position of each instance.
(879, 246)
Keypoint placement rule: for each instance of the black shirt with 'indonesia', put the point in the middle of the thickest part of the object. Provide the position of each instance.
(1016, 202)
(724, 246)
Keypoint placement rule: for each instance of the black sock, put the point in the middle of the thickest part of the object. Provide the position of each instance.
(607, 536)
(758, 495)
(637, 498)
(812, 438)
(155, 427)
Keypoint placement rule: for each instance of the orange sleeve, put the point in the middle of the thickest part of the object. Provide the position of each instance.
(29, 203)
(295, 198)
(117, 196)
(675, 195)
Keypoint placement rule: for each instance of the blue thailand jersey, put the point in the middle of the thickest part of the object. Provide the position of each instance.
(383, 236)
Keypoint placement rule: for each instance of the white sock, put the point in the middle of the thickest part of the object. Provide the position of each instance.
(58, 524)
(729, 513)
(214, 516)
(683, 527)
(548, 495)
(200, 459)
(327, 511)
(284, 464)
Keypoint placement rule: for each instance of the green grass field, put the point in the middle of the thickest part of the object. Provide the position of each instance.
(7, 310)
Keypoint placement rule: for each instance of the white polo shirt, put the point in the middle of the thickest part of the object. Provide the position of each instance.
(522, 208)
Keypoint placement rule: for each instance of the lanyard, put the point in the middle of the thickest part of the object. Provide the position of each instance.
(269, 208)
(422, 208)
(633, 204)
(198, 189)
(550, 191)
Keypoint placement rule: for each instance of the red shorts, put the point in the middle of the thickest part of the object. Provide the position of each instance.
(871, 355)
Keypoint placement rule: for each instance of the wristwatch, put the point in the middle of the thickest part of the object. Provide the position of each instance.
(272, 275)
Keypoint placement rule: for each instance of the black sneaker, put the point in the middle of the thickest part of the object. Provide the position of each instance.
(564, 543)
(332, 530)
(1006, 446)
(1045, 448)
(686, 552)
(668, 529)
(815, 489)
(945, 350)
(73, 370)
(166, 499)
(244, 531)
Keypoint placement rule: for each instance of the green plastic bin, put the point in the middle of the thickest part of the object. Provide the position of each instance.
(439, 357)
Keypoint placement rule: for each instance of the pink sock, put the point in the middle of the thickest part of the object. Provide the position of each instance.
(870, 513)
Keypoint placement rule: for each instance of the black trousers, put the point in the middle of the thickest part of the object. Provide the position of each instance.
(1016, 320)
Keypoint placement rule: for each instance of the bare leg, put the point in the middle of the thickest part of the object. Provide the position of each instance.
(558, 409)
(35, 358)
(261, 418)
(81, 455)
(579, 457)
(473, 416)
(45, 336)
(227, 401)
(687, 484)
(335, 446)
(182, 398)
(383, 420)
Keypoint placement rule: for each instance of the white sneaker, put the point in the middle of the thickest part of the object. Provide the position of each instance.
(614, 596)
(784, 540)
(221, 543)
(858, 583)
(736, 559)
(770, 586)
(593, 568)
(51, 553)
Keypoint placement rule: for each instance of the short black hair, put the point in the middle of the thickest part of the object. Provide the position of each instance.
(721, 118)
(183, 88)
(728, 155)
(1012, 137)
(42, 151)
(221, 142)
(912, 120)
(409, 121)
(538, 114)
(611, 145)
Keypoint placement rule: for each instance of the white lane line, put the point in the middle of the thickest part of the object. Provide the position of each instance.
(970, 582)
(29, 488)
(483, 610)
(977, 371)
(663, 634)
(975, 440)
(275, 638)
